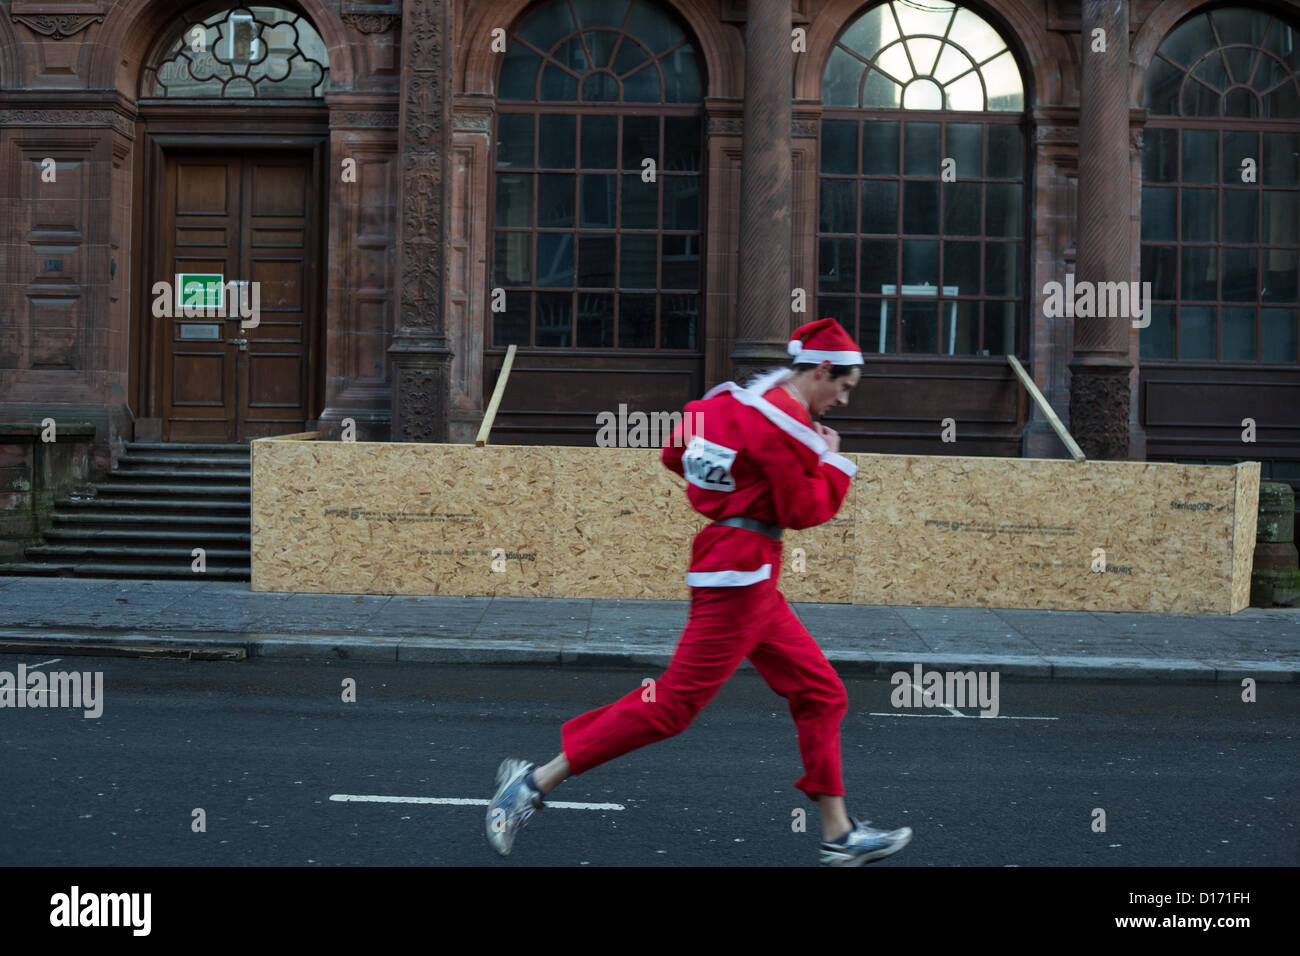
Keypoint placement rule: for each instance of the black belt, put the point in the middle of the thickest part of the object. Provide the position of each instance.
(753, 524)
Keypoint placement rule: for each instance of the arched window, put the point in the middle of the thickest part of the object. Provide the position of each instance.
(922, 206)
(598, 180)
(247, 52)
(1221, 190)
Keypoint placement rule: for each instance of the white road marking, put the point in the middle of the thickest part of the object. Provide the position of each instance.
(959, 714)
(31, 667)
(464, 801)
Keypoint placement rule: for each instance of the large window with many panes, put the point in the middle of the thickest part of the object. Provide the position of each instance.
(598, 180)
(1221, 190)
(921, 227)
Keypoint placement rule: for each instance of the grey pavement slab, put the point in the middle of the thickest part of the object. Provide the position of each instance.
(1064, 644)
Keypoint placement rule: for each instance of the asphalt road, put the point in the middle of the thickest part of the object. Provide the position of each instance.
(1187, 775)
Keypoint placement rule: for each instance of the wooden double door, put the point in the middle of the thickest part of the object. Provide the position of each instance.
(251, 218)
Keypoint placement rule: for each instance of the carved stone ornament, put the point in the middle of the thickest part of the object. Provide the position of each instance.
(472, 122)
(420, 390)
(370, 22)
(367, 119)
(57, 27)
(68, 117)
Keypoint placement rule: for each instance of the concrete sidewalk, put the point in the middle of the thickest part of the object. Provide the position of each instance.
(225, 619)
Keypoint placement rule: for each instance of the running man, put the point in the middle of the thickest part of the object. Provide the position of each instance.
(759, 465)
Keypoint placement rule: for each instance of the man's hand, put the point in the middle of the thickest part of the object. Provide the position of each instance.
(831, 436)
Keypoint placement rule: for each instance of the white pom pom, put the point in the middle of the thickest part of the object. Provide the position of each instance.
(795, 347)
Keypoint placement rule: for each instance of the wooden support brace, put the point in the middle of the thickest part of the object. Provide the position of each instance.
(497, 392)
(1047, 409)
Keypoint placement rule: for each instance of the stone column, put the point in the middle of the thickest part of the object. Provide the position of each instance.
(763, 321)
(1099, 387)
(421, 358)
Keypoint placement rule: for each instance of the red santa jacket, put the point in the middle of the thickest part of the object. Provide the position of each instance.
(752, 452)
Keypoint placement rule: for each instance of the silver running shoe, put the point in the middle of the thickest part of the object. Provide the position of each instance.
(864, 845)
(512, 805)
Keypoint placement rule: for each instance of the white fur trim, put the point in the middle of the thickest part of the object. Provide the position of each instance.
(727, 579)
(840, 462)
(816, 357)
(770, 379)
(787, 423)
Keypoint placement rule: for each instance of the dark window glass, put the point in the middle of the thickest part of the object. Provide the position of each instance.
(555, 259)
(921, 153)
(600, 142)
(1238, 334)
(595, 320)
(514, 140)
(1196, 333)
(919, 332)
(636, 321)
(640, 203)
(961, 209)
(1160, 156)
(1160, 268)
(920, 207)
(1226, 215)
(1006, 152)
(598, 205)
(1157, 341)
(640, 141)
(681, 202)
(961, 267)
(879, 206)
(511, 326)
(1278, 343)
(966, 149)
(554, 322)
(681, 262)
(637, 262)
(682, 147)
(678, 321)
(837, 266)
(879, 148)
(838, 213)
(596, 262)
(598, 201)
(556, 141)
(840, 146)
(910, 197)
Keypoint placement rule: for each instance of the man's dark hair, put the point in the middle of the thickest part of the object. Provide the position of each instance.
(837, 371)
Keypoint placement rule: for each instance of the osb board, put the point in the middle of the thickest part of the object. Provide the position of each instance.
(376, 518)
(622, 524)
(828, 560)
(613, 523)
(997, 532)
(1243, 545)
(1025, 533)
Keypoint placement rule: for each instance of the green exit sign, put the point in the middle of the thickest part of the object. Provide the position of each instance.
(200, 290)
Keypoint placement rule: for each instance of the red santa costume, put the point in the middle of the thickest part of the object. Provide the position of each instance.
(758, 465)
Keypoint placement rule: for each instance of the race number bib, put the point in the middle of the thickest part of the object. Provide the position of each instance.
(708, 465)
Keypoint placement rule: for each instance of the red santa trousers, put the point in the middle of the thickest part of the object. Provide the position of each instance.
(726, 626)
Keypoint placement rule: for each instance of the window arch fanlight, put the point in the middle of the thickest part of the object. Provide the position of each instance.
(922, 203)
(922, 54)
(244, 53)
(600, 51)
(597, 180)
(1221, 190)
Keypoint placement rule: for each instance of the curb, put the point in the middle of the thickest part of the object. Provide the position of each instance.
(335, 647)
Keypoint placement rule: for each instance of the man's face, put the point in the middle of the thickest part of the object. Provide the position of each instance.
(826, 392)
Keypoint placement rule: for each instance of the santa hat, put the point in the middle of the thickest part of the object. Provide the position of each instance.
(824, 340)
